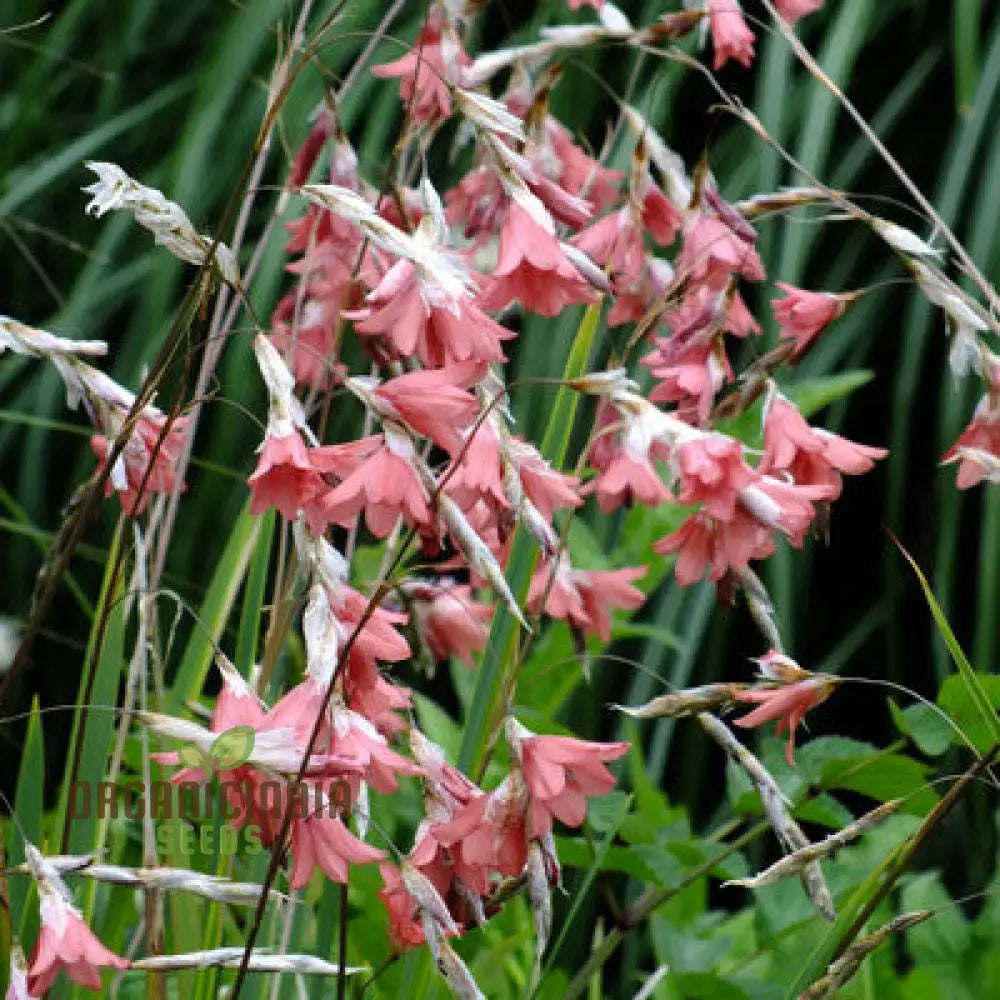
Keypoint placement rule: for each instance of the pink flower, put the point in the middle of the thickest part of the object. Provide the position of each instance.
(450, 621)
(434, 402)
(660, 217)
(632, 303)
(324, 842)
(731, 37)
(713, 253)
(704, 543)
(804, 315)
(437, 59)
(66, 943)
(792, 10)
(479, 475)
(532, 268)
(596, 4)
(490, 831)
(146, 464)
(384, 485)
(308, 348)
(546, 488)
(813, 457)
(712, 473)
(579, 173)
(584, 598)
(615, 242)
(690, 374)
(560, 772)
(798, 692)
(977, 449)
(625, 478)
(783, 506)
(476, 203)
(284, 478)
(438, 332)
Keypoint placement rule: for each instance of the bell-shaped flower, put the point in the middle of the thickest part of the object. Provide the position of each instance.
(533, 269)
(584, 598)
(65, 943)
(731, 38)
(791, 692)
(803, 315)
(560, 772)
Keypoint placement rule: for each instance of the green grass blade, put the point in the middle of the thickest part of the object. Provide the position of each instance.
(215, 610)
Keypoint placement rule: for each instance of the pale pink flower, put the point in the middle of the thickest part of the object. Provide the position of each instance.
(384, 485)
(490, 831)
(625, 478)
(803, 315)
(437, 330)
(324, 842)
(792, 10)
(690, 374)
(812, 456)
(783, 506)
(147, 463)
(977, 449)
(579, 173)
(436, 60)
(476, 203)
(306, 337)
(479, 474)
(596, 4)
(584, 598)
(713, 253)
(450, 621)
(545, 487)
(434, 402)
(788, 702)
(285, 477)
(731, 37)
(660, 217)
(560, 772)
(634, 302)
(532, 268)
(704, 543)
(615, 242)
(711, 472)
(66, 943)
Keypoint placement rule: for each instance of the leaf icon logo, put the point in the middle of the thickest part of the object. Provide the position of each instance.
(232, 748)
(191, 756)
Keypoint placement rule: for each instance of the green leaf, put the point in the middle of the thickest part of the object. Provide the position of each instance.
(608, 812)
(883, 778)
(28, 809)
(957, 700)
(924, 725)
(215, 610)
(811, 395)
(232, 747)
(985, 711)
